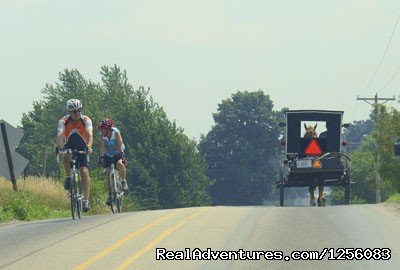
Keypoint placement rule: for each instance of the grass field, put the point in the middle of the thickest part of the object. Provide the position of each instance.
(37, 198)
(43, 198)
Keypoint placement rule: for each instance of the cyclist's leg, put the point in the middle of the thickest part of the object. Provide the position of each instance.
(83, 168)
(121, 169)
(107, 166)
(67, 169)
(67, 160)
(122, 174)
(107, 182)
(67, 164)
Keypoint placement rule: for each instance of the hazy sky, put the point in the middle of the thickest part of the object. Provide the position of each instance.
(193, 54)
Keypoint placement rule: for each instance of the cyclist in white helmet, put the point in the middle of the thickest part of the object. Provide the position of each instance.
(75, 131)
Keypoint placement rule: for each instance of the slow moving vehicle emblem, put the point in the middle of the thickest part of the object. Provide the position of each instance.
(313, 148)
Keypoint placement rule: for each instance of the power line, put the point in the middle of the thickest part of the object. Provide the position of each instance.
(391, 79)
(383, 56)
(354, 111)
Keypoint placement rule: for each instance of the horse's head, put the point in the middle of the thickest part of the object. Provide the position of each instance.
(310, 131)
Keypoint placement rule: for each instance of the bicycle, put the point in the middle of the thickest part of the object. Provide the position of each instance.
(115, 190)
(74, 191)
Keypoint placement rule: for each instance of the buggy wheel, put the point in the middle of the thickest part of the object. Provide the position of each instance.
(347, 192)
(281, 187)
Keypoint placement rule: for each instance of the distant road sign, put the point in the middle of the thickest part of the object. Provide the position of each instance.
(14, 136)
(19, 163)
(12, 164)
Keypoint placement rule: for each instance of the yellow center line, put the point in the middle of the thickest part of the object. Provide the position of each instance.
(122, 241)
(157, 240)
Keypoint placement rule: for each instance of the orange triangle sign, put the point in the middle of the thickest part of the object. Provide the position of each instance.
(317, 164)
(313, 149)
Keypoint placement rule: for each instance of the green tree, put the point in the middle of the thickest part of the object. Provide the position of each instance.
(357, 131)
(386, 132)
(241, 149)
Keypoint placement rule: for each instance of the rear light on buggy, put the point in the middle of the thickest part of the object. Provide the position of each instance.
(286, 162)
(344, 143)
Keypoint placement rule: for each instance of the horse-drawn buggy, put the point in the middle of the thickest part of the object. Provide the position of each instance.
(314, 154)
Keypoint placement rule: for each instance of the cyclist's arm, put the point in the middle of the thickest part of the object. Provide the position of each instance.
(101, 144)
(89, 131)
(119, 142)
(60, 140)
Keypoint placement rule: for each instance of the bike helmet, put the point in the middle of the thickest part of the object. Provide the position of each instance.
(107, 123)
(74, 104)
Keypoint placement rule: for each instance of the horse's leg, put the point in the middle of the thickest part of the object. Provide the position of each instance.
(321, 198)
(312, 198)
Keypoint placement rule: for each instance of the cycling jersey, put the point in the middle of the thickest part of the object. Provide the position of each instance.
(111, 145)
(75, 132)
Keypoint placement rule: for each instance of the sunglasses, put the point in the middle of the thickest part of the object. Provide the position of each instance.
(75, 111)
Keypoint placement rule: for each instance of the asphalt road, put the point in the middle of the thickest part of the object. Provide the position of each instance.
(130, 240)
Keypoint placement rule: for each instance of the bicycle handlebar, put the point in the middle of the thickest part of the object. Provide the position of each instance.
(69, 151)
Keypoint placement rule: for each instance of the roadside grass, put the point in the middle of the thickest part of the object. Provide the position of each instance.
(395, 198)
(37, 198)
(44, 198)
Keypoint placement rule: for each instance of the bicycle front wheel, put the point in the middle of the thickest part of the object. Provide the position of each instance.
(79, 205)
(119, 197)
(74, 210)
(113, 193)
(79, 196)
(74, 197)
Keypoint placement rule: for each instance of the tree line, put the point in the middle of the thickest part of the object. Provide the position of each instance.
(235, 163)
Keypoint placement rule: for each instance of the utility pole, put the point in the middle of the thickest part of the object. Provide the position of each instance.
(377, 158)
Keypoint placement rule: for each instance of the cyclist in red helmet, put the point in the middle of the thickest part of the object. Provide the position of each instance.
(112, 149)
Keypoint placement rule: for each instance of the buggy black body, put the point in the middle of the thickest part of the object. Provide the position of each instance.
(320, 160)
